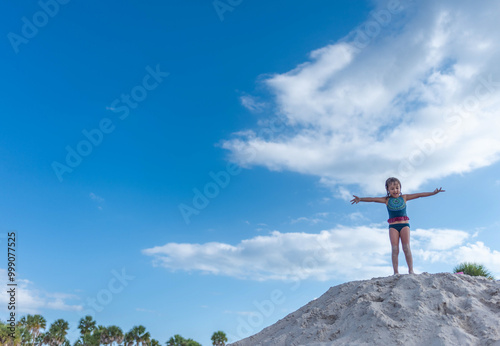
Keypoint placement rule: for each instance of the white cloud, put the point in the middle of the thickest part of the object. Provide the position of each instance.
(440, 239)
(356, 216)
(282, 256)
(479, 253)
(31, 300)
(252, 104)
(344, 193)
(418, 100)
(471, 252)
(340, 253)
(96, 198)
(315, 219)
(306, 219)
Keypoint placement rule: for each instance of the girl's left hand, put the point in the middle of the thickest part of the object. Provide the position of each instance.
(436, 191)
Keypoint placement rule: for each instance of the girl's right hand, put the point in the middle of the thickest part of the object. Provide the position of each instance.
(356, 199)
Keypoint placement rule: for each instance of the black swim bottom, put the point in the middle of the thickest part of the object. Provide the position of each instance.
(399, 226)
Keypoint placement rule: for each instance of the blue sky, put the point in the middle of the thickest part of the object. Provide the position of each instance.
(188, 167)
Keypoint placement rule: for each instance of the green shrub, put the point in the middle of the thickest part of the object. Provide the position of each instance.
(473, 269)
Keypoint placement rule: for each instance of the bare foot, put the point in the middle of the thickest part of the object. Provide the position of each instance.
(411, 272)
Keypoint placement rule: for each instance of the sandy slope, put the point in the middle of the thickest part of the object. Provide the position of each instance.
(424, 309)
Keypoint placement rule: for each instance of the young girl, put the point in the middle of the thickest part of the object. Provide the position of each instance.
(398, 221)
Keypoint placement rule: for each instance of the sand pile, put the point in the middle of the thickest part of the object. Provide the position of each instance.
(424, 309)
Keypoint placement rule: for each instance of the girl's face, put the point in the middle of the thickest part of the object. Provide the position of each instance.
(394, 190)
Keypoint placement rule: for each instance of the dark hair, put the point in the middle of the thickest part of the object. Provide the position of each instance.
(390, 181)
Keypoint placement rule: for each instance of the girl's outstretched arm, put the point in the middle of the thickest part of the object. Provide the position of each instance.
(357, 199)
(423, 194)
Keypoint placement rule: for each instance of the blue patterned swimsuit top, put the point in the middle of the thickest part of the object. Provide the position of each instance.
(397, 209)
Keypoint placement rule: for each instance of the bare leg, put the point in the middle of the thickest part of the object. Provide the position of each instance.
(405, 241)
(394, 237)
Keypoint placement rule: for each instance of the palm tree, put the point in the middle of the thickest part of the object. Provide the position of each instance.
(39, 339)
(178, 340)
(473, 269)
(136, 331)
(93, 339)
(88, 331)
(139, 335)
(25, 335)
(6, 335)
(33, 324)
(58, 331)
(155, 342)
(26, 322)
(145, 339)
(113, 334)
(219, 338)
(24, 332)
(86, 325)
(100, 334)
(128, 339)
(48, 339)
(191, 342)
(39, 322)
